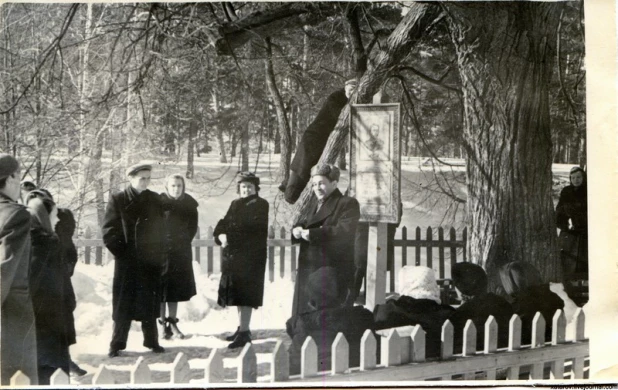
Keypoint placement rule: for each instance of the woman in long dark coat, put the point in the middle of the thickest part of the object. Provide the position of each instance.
(47, 279)
(242, 234)
(180, 223)
(572, 220)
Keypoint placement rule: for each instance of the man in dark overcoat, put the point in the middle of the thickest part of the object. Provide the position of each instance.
(327, 237)
(132, 231)
(313, 141)
(18, 341)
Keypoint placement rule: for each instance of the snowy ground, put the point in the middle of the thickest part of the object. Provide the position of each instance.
(201, 319)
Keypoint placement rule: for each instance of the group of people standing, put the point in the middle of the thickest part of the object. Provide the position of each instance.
(150, 236)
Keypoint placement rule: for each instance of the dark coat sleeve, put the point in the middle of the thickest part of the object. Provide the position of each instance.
(562, 217)
(113, 235)
(344, 229)
(224, 226)
(15, 238)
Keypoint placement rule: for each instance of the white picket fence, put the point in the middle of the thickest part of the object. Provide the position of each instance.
(402, 355)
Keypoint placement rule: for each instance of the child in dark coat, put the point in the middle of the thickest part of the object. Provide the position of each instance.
(470, 280)
(326, 321)
(418, 304)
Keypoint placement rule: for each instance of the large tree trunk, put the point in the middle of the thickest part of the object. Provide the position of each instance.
(504, 55)
(218, 129)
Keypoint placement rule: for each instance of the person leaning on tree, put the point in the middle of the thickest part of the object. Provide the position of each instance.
(18, 340)
(133, 233)
(313, 141)
(326, 237)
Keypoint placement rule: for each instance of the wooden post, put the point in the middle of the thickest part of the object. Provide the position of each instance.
(391, 353)
(368, 351)
(376, 264)
(87, 236)
(446, 347)
(340, 352)
(280, 364)
(214, 373)
(441, 251)
(469, 339)
(580, 320)
(429, 239)
(197, 248)
(538, 330)
(98, 251)
(103, 376)
(20, 379)
(453, 239)
(308, 358)
(271, 255)
(490, 343)
(59, 377)
(293, 263)
(210, 253)
(417, 248)
(140, 373)
(181, 372)
(418, 345)
(558, 329)
(514, 333)
(282, 235)
(404, 246)
(247, 365)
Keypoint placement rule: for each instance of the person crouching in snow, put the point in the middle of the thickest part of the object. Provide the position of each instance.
(242, 234)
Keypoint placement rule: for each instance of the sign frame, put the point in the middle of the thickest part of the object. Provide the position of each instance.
(375, 160)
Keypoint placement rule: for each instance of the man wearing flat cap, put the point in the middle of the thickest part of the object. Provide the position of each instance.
(18, 348)
(326, 237)
(313, 141)
(132, 232)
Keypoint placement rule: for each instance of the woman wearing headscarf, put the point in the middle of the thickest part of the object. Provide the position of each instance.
(470, 281)
(572, 220)
(242, 234)
(418, 304)
(326, 319)
(180, 216)
(47, 286)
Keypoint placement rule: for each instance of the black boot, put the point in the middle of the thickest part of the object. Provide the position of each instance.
(175, 332)
(233, 336)
(165, 332)
(241, 339)
(76, 370)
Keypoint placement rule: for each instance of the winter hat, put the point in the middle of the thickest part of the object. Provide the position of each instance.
(133, 169)
(328, 170)
(470, 279)
(27, 185)
(321, 288)
(419, 282)
(8, 165)
(248, 177)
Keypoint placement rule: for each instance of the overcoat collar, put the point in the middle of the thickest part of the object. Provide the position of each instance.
(133, 198)
(327, 208)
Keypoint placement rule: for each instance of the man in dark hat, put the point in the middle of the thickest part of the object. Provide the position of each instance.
(313, 141)
(18, 348)
(133, 233)
(326, 238)
(470, 281)
(26, 187)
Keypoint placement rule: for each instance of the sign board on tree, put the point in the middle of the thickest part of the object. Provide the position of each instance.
(375, 160)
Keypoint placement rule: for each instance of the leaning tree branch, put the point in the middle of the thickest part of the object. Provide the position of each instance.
(416, 23)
